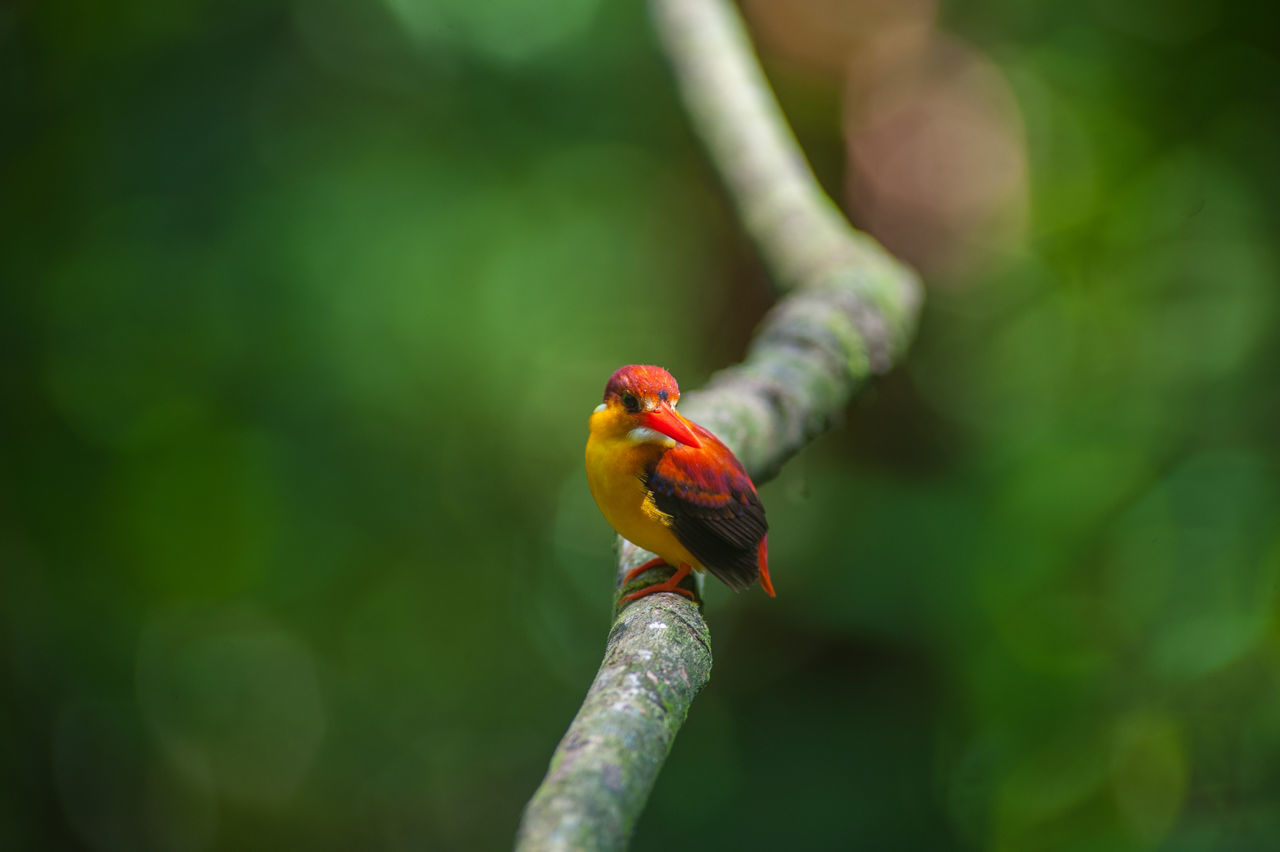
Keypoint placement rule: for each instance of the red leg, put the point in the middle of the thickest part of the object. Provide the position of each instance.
(672, 584)
(636, 572)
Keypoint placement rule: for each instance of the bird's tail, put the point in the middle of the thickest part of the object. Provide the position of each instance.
(765, 582)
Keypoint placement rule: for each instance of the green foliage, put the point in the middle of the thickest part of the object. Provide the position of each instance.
(307, 304)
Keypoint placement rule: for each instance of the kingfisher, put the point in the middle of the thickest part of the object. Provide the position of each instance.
(671, 487)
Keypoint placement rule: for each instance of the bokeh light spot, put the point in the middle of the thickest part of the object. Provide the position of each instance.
(233, 697)
(508, 31)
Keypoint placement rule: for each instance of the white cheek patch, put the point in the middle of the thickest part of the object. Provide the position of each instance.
(599, 408)
(645, 435)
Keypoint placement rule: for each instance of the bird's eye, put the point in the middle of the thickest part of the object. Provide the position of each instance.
(630, 403)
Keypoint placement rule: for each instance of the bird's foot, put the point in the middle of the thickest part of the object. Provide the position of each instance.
(637, 571)
(672, 584)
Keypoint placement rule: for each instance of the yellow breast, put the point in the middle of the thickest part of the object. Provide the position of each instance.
(615, 463)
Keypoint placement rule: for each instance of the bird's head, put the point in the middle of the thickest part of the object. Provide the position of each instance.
(642, 400)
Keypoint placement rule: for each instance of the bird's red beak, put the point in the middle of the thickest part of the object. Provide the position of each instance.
(665, 420)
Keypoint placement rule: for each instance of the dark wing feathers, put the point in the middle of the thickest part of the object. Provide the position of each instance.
(714, 509)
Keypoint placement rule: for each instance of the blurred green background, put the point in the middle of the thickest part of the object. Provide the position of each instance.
(305, 307)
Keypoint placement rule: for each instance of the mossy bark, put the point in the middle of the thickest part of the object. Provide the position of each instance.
(657, 657)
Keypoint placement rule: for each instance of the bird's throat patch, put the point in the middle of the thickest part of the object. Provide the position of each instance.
(645, 435)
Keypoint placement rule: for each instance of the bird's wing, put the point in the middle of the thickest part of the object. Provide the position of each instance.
(713, 506)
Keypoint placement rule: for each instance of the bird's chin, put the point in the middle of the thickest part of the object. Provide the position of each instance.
(645, 435)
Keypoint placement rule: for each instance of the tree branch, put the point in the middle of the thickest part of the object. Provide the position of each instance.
(851, 314)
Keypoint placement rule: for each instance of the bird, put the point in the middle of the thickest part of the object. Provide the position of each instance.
(671, 487)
